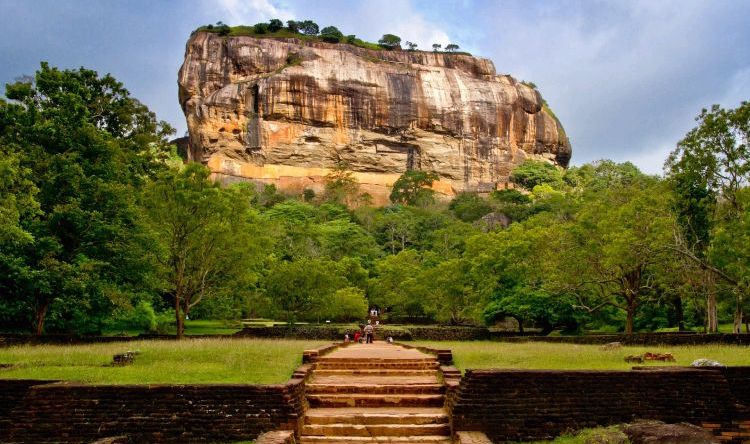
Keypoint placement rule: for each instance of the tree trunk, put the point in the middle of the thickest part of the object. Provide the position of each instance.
(41, 307)
(737, 327)
(180, 318)
(712, 316)
(679, 314)
(520, 324)
(630, 316)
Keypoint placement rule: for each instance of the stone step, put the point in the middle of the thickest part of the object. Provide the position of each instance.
(378, 400)
(348, 364)
(376, 430)
(376, 372)
(437, 439)
(382, 389)
(370, 416)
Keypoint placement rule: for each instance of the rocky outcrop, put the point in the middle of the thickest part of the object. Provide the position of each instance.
(285, 111)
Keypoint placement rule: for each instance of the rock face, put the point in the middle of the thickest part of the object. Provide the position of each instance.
(285, 111)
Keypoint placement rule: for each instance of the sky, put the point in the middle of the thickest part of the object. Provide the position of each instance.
(626, 78)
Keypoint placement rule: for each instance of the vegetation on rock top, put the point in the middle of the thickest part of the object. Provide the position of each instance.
(307, 30)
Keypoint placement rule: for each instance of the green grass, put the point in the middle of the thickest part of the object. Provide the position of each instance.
(540, 355)
(586, 436)
(214, 360)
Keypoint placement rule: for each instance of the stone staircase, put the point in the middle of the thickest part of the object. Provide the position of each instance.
(376, 393)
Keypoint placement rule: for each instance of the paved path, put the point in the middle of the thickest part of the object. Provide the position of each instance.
(376, 393)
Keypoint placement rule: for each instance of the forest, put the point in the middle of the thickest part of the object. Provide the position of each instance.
(101, 222)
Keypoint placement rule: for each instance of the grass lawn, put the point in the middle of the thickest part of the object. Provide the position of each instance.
(540, 355)
(214, 360)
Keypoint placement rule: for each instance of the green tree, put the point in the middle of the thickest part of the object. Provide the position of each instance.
(709, 168)
(260, 28)
(449, 292)
(394, 284)
(331, 34)
(469, 206)
(341, 186)
(293, 26)
(451, 47)
(613, 250)
(348, 304)
(411, 46)
(436, 47)
(534, 172)
(308, 27)
(76, 147)
(412, 188)
(275, 25)
(209, 238)
(390, 41)
(301, 289)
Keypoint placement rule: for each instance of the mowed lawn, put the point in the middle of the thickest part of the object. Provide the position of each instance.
(200, 361)
(540, 355)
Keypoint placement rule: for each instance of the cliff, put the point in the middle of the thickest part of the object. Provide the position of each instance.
(284, 111)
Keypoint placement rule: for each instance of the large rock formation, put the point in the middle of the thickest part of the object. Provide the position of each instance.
(285, 111)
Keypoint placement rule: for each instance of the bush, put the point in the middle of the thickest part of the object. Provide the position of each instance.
(275, 25)
(260, 28)
(331, 34)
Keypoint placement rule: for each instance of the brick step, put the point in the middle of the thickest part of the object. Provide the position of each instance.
(369, 416)
(379, 400)
(382, 389)
(438, 439)
(377, 365)
(376, 430)
(376, 372)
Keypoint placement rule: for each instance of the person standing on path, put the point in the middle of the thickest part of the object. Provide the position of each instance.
(368, 333)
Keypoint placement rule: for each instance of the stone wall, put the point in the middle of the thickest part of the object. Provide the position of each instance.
(532, 405)
(75, 413)
(416, 333)
(685, 338)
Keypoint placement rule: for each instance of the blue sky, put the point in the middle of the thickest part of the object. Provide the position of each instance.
(626, 78)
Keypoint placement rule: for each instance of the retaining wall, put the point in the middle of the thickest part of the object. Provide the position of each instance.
(519, 405)
(75, 413)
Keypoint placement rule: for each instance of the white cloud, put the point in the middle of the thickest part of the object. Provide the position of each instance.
(248, 12)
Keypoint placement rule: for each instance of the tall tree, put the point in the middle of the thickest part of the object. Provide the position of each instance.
(709, 168)
(413, 188)
(210, 241)
(609, 255)
(78, 146)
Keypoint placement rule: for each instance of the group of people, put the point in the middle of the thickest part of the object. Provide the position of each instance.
(366, 333)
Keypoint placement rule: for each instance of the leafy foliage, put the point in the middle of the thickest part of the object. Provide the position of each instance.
(390, 41)
(412, 188)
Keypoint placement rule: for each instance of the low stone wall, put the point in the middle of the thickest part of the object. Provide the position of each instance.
(416, 333)
(520, 405)
(75, 413)
(635, 339)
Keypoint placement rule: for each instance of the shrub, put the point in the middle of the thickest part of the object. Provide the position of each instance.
(331, 34)
(260, 28)
(275, 25)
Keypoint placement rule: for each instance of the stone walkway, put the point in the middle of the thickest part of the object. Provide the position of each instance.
(376, 393)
